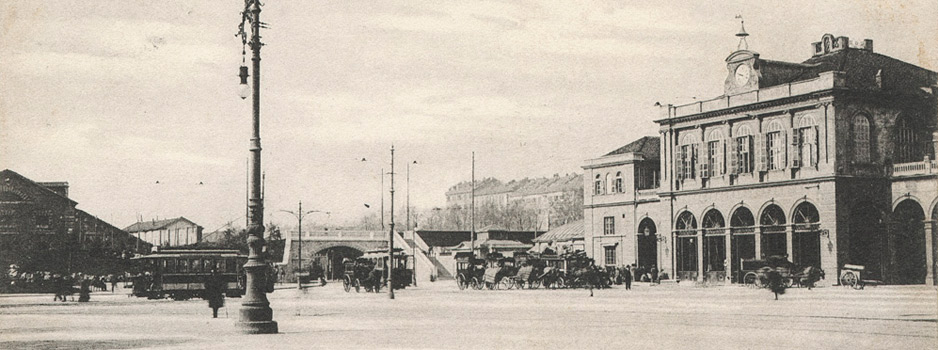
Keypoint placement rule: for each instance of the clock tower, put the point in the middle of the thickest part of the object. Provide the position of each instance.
(743, 67)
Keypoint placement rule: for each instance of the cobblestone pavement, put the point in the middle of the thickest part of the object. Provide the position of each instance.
(439, 316)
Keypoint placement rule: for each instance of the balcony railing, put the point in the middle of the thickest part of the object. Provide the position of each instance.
(915, 168)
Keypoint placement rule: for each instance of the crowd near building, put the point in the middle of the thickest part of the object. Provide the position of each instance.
(826, 162)
(41, 228)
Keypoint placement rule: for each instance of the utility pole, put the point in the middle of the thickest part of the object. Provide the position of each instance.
(472, 209)
(256, 316)
(391, 234)
(300, 214)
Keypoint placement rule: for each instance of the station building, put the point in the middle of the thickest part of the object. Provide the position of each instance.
(827, 162)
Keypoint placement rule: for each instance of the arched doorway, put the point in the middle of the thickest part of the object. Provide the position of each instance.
(806, 238)
(685, 246)
(331, 260)
(773, 222)
(647, 243)
(866, 240)
(714, 246)
(742, 240)
(908, 233)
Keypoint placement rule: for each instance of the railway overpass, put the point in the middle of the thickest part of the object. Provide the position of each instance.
(330, 247)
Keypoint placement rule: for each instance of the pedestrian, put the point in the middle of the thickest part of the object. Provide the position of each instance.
(627, 277)
(84, 294)
(214, 288)
(774, 281)
(113, 280)
(654, 274)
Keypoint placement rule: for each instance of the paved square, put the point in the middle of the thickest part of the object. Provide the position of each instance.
(438, 316)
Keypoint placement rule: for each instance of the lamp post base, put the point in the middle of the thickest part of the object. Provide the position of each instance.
(257, 327)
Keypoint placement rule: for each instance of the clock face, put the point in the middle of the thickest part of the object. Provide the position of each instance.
(742, 74)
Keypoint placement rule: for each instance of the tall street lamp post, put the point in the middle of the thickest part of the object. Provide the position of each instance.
(256, 316)
(413, 230)
(299, 214)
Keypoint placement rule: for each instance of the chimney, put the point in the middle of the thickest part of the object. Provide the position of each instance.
(868, 45)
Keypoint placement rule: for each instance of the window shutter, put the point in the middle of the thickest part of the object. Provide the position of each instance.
(721, 160)
(795, 150)
(760, 154)
(679, 163)
(734, 155)
(698, 161)
(813, 142)
(749, 156)
(783, 150)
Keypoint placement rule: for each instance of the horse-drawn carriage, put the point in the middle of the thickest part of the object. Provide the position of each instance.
(755, 272)
(499, 272)
(469, 271)
(369, 271)
(362, 273)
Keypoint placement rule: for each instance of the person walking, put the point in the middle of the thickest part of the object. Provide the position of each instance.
(627, 277)
(84, 294)
(214, 288)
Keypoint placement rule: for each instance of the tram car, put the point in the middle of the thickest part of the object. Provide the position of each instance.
(754, 270)
(181, 274)
(402, 263)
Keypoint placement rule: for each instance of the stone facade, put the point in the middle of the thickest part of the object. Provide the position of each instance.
(825, 162)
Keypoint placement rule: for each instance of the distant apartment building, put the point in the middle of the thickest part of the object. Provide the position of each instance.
(168, 232)
(538, 195)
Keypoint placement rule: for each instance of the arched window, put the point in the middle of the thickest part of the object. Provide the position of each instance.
(618, 184)
(861, 139)
(741, 161)
(686, 221)
(775, 146)
(607, 185)
(713, 221)
(742, 221)
(805, 213)
(805, 142)
(907, 146)
(713, 166)
(686, 161)
(772, 216)
(598, 185)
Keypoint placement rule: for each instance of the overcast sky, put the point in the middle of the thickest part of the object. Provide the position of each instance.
(113, 96)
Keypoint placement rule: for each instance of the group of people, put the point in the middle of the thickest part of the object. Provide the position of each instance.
(60, 284)
(629, 273)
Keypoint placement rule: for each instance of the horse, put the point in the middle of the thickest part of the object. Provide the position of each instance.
(810, 275)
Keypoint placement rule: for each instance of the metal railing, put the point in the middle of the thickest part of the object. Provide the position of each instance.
(915, 168)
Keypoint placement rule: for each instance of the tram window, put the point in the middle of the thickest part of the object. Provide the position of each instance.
(183, 266)
(196, 265)
(222, 266)
(208, 265)
(169, 265)
(231, 266)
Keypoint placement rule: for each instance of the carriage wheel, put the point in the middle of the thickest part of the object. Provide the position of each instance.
(476, 284)
(749, 280)
(461, 281)
(358, 284)
(347, 284)
(849, 279)
(505, 284)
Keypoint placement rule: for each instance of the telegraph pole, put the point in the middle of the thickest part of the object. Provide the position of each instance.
(472, 209)
(391, 234)
(256, 316)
